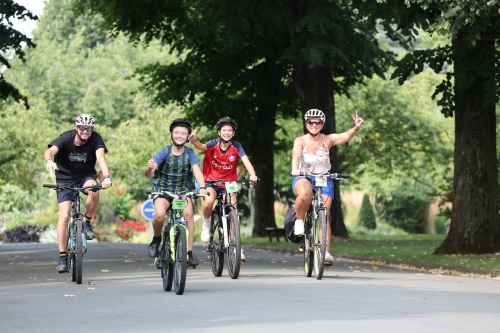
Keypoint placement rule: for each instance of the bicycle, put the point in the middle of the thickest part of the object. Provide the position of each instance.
(172, 257)
(225, 231)
(77, 240)
(314, 240)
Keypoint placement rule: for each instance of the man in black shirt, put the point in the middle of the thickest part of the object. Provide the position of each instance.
(75, 154)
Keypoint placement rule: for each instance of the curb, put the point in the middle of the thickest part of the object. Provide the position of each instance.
(410, 265)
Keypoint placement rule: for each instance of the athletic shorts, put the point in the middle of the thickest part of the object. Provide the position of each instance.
(326, 190)
(163, 196)
(68, 195)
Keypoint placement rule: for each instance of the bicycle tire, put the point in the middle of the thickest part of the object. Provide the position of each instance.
(216, 243)
(72, 267)
(167, 268)
(319, 244)
(234, 249)
(308, 253)
(79, 250)
(180, 264)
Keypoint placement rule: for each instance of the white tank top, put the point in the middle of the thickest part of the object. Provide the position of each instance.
(319, 162)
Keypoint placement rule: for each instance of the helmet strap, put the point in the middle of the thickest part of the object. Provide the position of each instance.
(80, 138)
(177, 145)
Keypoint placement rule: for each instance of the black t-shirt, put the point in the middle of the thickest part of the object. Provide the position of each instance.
(75, 161)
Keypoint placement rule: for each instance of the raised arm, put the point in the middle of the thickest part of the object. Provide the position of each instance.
(152, 166)
(197, 144)
(338, 139)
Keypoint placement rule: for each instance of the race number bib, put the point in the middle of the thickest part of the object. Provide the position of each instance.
(179, 202)
(232, 187)
(320, 181)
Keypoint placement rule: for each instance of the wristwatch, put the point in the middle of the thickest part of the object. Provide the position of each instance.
(107, 177)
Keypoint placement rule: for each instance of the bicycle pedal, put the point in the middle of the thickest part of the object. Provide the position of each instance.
(242, 260)
(328, 264)
(192, 267)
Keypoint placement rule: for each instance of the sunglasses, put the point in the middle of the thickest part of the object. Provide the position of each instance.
(315, 122)
(83, 129)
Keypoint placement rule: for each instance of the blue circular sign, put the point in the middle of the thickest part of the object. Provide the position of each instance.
(148, 210)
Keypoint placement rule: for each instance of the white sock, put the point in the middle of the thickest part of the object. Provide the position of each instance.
(206, 221)
(300, 221)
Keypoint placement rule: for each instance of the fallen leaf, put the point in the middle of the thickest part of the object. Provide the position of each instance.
(66, 295)
(91, 283)
(180, 306)
(104, 270)
(90, 288)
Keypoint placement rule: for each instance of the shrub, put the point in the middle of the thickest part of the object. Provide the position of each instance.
(128, 229)
(24, 234)
(366, 214)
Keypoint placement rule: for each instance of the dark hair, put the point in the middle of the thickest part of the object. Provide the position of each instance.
(180, 122)
(226, 121)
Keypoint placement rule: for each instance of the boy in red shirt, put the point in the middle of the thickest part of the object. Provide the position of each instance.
(221, 160)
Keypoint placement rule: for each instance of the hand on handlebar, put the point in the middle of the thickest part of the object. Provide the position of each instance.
(295, 173)
(253, 179)
(106, 183)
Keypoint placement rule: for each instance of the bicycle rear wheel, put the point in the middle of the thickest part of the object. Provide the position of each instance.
(319, 244)
(308, 251)
(216, 246)
(79, 251)
(167, 268)
(72, 267)
(234, 249)
(180, 264)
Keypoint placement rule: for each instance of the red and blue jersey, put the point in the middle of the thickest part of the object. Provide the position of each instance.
(222, 164)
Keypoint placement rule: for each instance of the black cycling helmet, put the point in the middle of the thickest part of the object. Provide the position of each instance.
(226, 121)
(180, 122)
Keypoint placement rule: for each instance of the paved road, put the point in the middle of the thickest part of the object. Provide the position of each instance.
(272, 294)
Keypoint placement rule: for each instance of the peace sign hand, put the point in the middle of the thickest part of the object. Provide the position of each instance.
(358, 121)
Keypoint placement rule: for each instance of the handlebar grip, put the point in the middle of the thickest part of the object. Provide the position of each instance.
(149, 191)
(342, 175)
(49, 185)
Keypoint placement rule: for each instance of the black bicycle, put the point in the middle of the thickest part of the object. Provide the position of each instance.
(314, 241)
(172, 254)
(77, 240)
(225, 238)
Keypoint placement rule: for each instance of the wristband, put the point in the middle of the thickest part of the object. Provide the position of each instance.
(203, 188)
(107, 177)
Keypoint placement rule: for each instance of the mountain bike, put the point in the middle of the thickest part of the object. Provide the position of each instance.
(314, 240)
(172, 254)
(225, 238)
(77, 240)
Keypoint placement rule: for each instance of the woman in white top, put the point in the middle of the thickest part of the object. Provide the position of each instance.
(311, 153)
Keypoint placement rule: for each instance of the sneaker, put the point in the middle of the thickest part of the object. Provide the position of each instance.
(205, 232)
(153, 247)
(328, 257)
(90, 231)
(192, 261)
(299, 228)
(242, 258)
(62, 267)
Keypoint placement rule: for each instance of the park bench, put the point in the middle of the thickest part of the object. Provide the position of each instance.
(277, 232)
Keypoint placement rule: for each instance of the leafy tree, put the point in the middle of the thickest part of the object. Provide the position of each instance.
(469, 93)
(366, 214)
(12, 42)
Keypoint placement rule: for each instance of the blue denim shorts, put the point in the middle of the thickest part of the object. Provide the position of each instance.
(326, 190)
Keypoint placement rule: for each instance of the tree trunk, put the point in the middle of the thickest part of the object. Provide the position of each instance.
(263, 146)
(314, 87)
(474, 226)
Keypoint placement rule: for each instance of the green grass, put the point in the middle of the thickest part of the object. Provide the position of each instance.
(414, 248)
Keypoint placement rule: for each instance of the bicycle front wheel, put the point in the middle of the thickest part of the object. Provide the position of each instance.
(180, 264)
(234, 249)
(79, 250)
(216, 246)
(319, 244)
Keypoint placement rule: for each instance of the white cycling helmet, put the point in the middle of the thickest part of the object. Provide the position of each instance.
(315, 114)
(85, 119)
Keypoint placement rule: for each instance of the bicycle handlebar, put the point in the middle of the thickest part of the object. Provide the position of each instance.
(245, 181)
(94, 188)
(331, 175)
(187, 194)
